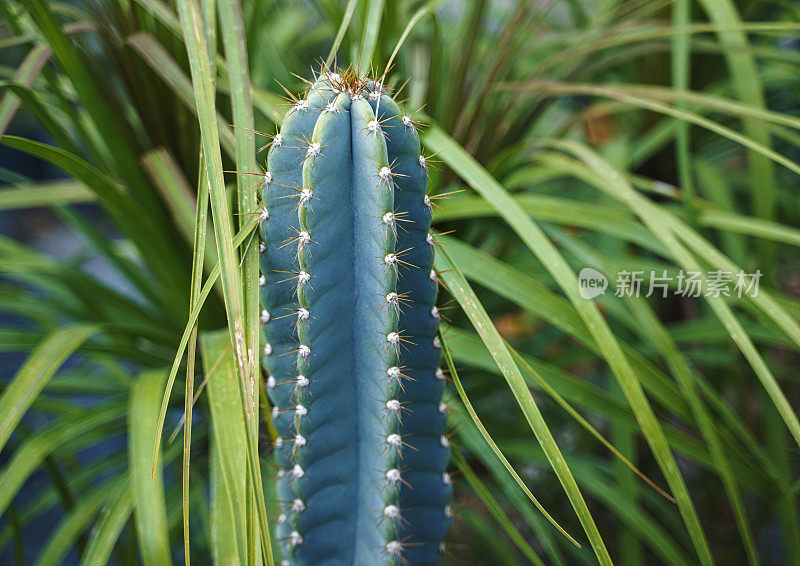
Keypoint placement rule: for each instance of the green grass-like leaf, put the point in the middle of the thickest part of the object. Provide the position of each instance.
(536, 241)
(480, 320)
(39, 368)
(147, 486)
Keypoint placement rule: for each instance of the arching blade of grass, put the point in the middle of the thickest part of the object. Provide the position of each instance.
(50, 193)
(34, 103)
(162, 63)
(337, 41)
(653, 217)
(115, 133)
(193, 316)
(542, 384)
(77, 521)
(65, 433)
(653, 331)
(463, 293)
(585, 424)
(583, 393)
(681, 73)
(494, 508)
(680, 368)
(545, 208)
(497, 452)
(764, 300)
(198, 252)
(614, 221)
(38, 369)
(747, 83)
(369, 35)
(529, 293)
(230, 519)
(204, 93)
(426, 9)
(174, 189)
(646, 528)
(163, 13)
(222, 518)
(108, 527)
(472, 442)
(729, 223)
(656, 106)
(147, 485)
(26, 74)
(469, 170)
(706, 101)
(467, 348)
(232, 26)
(132, 219)
(203, 82)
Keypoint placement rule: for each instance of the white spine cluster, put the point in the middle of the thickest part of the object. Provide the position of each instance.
(295, 539)
(394, 549)
(314, 149)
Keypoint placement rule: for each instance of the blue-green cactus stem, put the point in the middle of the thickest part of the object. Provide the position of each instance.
(351, 360)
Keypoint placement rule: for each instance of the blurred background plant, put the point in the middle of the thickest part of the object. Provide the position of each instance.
(642, 135)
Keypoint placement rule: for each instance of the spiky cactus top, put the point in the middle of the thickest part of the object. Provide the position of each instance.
(350, 323)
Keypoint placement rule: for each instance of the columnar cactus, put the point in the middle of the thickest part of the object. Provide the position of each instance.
(350, 324)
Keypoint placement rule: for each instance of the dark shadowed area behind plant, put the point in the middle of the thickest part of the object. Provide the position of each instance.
(645, 136)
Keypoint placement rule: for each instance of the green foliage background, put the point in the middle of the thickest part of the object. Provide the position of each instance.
(638, 135)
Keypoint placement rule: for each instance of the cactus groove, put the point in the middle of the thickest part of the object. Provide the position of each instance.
(350, 327)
